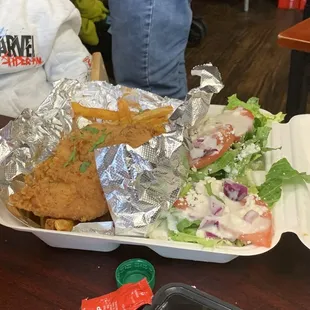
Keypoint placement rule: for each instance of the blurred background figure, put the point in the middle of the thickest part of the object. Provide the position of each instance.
(149, 38)
(94, 31)
(36, 50)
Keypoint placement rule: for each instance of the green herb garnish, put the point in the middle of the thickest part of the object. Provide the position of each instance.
(92, 130)
(84, 166)
(100, 140)
(71, 158)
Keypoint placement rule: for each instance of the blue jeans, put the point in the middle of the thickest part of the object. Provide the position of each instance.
(149, 38)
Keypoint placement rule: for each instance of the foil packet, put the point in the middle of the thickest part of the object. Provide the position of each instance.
(139, 182)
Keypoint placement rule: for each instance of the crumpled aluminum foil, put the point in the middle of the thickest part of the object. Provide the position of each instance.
(137, 182)
(32, 137)
(99, 228)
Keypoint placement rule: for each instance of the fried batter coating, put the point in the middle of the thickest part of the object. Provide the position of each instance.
(66, 186)
(59, 189)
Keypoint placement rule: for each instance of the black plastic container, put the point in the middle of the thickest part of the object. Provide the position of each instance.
(176, 296)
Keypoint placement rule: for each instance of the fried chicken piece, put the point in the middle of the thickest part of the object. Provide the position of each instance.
(66, 186)
(58, 189)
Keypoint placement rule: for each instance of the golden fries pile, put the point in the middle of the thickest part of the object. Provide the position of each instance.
(156, 118)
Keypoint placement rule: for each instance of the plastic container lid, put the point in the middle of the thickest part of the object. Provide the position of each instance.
(134, 270)
(177, 296)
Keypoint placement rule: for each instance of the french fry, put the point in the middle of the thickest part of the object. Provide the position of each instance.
(148, 115)
(159, 130)
(64, 225)
(124, 111)
(160, 120)
(59, 224)
(134, 105)
(131, 103)
(95, 113)
(49, 224)
(153, 123)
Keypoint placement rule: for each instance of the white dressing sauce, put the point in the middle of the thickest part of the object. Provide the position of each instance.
(241, 123)
(208, 127)
(231, 223)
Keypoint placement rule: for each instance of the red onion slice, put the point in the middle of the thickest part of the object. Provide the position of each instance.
(211, 235)
(209, 151)
(197, 143)
(208, 221)
(235, 191)
(251, 216)
(216, 207)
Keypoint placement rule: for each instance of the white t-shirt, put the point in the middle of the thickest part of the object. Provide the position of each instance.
(39, 44)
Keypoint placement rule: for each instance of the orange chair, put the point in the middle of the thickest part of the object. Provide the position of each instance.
(297, 38)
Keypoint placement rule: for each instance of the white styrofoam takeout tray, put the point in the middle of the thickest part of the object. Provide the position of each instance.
(291, 213)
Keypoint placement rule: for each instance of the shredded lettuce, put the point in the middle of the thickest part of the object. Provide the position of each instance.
(231, 164)
(261, 135)
(185, 189)
(248, 181)
(214, 168)
(253, 106)
(279, 117)
(208, 243)
(238, 163)
(248, 152)
(280, 173)
(210, 192)
(188, 227)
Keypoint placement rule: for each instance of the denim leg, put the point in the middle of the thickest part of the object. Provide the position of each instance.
(149, 38)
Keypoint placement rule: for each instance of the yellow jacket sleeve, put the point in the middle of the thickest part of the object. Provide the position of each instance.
(91, 11)
(88, 33)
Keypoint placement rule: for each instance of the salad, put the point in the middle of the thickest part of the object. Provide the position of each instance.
(221, 204)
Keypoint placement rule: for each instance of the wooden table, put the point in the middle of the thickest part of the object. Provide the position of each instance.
(297, 37)
(36, 276)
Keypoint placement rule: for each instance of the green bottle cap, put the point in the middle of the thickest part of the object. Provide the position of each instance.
(134, 270)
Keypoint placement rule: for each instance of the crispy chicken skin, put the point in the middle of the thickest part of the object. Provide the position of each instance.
(66, 186)
(58, 189)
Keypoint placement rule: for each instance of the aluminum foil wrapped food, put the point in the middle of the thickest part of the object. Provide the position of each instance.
(137, 182)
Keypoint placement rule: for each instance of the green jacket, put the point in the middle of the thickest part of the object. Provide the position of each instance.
(91, 11)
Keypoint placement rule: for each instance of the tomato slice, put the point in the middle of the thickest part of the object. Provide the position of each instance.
(258, 201)
(245, 112)
(262, 238)
(181, 204)
(225, 137)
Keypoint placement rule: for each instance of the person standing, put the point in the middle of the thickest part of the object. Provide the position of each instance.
(149, 38)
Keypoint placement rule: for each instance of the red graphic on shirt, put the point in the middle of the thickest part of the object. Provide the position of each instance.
(87, 61)
(18, 51)
(20, 61)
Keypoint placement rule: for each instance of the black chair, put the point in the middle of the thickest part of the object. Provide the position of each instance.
(197, 33)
